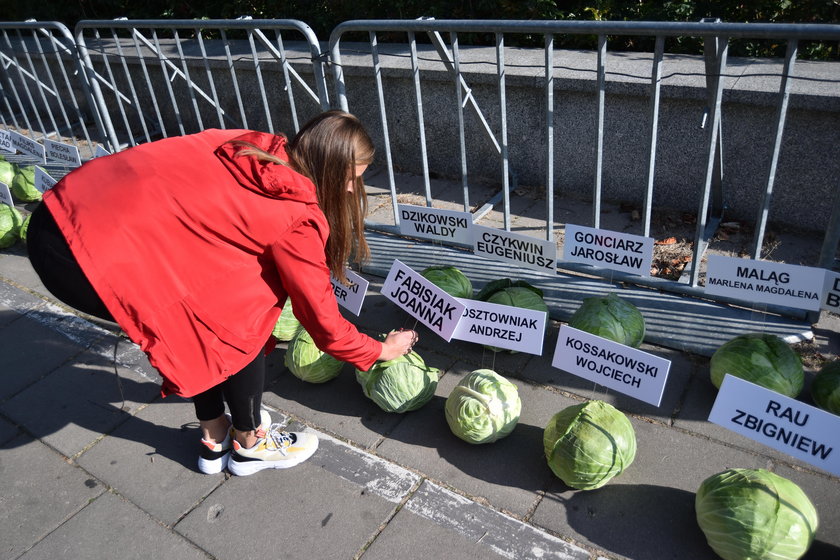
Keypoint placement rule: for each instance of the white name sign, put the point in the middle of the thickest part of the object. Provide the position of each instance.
(43, 180)
(433, 223)
(522, 250)
(65, 153)
(785, 424)
(423, 300)
(100, 151)
(353, 296)
(619, 367)
(608, 249)
(6, 195)
(768, 282)
(831, 292)
(504, 326)
(28, 146)
(6, 142)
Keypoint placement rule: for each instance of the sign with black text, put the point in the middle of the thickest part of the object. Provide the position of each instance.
(522, 250)
(775, 420)
(353, 296)
(768, 282)
(423, 300)
(627, 370)
(831, 292)
(433, 223)
(65, 153)
(6, 195)
(608, 249)
(28, 146)
(43, 180)
(502, 326)
(6, 142)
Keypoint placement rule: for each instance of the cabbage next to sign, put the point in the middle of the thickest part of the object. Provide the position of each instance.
(307, 362)
(483, 407)
(399, 385)
(612, 318)
(760, 358)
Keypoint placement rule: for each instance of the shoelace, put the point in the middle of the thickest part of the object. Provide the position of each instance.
(280, 439)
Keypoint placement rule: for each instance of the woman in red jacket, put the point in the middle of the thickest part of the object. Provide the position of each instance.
(192, 244)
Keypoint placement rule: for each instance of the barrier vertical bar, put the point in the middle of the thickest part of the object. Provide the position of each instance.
(459, 96)
(599, 154)
(655, 87)
(500, 71)
(418, 98)
(380, 93)
(549, 136)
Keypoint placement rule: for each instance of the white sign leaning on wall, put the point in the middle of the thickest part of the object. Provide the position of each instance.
(503, 326)
(831, 292)
(433, 223)
(28, 146)
(353, 296)
(608, 249)
(65, 153)
(6, 142)
(522, 250)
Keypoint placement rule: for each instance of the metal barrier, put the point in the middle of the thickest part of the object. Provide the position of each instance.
(716, 37)
(43, 90)
(155, 78)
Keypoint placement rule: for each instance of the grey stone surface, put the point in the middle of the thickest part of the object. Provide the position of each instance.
(111, 527)
(40, 490)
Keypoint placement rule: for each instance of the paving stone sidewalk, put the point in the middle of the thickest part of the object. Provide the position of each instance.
(90, 468)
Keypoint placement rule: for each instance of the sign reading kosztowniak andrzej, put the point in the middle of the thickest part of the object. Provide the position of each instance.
(503, 326)
(435, 223)
(522, 250)
(608, 249)
(789, 285)
(423, 300)
(625, 369)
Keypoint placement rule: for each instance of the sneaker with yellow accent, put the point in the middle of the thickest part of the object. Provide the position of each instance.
(213, 457)
(275, 449)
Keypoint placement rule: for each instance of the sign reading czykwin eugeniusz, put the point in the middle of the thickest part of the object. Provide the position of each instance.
(608, 249)
(434, 223)
(522, 250)
(353, 296)
(775, 420)
(423, 300)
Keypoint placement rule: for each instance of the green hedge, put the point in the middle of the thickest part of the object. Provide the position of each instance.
(323, 16)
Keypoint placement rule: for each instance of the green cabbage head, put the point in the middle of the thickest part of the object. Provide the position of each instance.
(825, 389)
(7, 171)
(399, 385)
(450, 280)
(287, 325)
(307, 362)
(24, 227)
(760, 358)
(751, 514)
(10, 222)
(612, 318)
(23, 185)
(588, 444)
(483, 407)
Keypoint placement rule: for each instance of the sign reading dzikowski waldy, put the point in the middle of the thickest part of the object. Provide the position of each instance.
(608, 249)
(426, 302)
(768, 282)
(434, 223)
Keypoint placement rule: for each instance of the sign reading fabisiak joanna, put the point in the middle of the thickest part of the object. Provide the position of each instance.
(789, 285)
(608, 249)
(434, 223)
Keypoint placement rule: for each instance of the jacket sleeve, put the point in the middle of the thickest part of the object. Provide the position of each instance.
(301, 262)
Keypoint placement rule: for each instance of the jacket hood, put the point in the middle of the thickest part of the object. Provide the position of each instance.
(267, 178)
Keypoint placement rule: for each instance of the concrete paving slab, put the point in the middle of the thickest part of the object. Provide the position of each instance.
(77, 403)
(648, 510)
(16, 267)
(111, 527)
(40, 491)
(304, 512)
(508, 473)
(151, 460)
(501, 533)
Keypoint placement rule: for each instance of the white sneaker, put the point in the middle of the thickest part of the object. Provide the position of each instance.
(214, 457)
(275, 449)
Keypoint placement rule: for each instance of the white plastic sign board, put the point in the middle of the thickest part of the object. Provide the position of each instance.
(6, 142)
(831, 292)
(434, 223)
(100, 151)
(608, 249)
(6, 195)
(43, 180)
(503, 326)
(423, 300)
(28, 146)
(767, 282)
(353, 296)
(624, 369)
(775, 420)
(522, 250)
(65, 153)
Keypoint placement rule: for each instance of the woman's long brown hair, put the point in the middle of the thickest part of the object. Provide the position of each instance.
(327, 150)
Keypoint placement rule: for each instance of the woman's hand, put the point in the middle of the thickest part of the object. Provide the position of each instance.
(398, 343)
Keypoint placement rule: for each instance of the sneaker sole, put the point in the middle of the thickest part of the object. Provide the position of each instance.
(247, 467)
(217, 465)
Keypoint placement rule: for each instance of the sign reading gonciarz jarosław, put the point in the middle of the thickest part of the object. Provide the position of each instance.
(785, 424)
(434, 223)
(523, 250)
(353, 296)
(619, 367)
(608, 249)
(503, 326)
(768, 282)
(423, 300)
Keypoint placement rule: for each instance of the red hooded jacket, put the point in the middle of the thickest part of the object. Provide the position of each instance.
(194, 250)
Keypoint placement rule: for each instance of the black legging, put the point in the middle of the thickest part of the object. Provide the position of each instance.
(55, 264)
